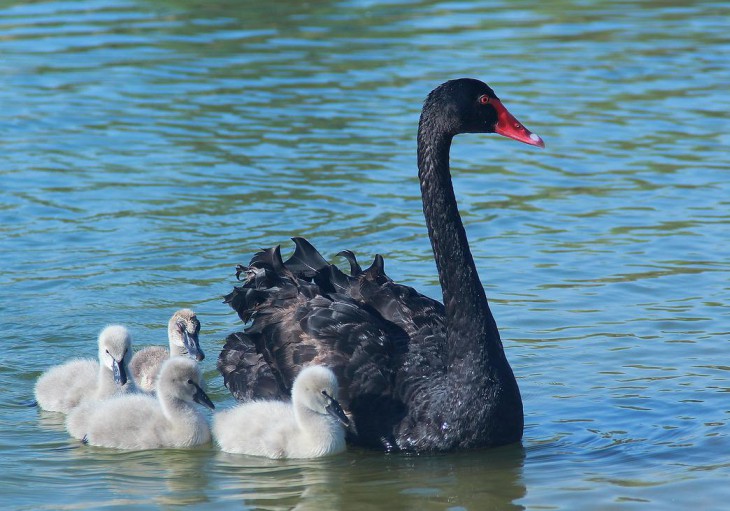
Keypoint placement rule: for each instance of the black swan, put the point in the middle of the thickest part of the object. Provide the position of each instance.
(415, 375)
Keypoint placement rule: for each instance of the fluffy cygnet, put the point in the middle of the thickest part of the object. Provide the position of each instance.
(64, 387)
(182, 332)
(309, 427)
(140, 421)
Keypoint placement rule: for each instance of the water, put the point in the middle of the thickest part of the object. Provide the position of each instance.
(148, 147)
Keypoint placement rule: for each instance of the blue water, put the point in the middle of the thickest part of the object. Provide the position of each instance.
(150, 146)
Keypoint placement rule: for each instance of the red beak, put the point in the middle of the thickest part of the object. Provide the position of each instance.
(509, 127)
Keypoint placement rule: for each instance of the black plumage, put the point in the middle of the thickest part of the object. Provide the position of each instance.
(414, 374)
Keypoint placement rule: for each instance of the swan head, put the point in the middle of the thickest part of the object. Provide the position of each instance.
(467, 105)
(183, 330)
(180, 379)
(316, 389)
(115, 351)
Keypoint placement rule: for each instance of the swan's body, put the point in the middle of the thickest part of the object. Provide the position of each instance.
(140, 421)
(64, 387)
(414, 374)
(310, 426)
(182, 332)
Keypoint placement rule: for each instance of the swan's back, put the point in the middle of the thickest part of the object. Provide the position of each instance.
(62, 388)
(258, 428)
(140, 421)
(306, 428)
(377, 336)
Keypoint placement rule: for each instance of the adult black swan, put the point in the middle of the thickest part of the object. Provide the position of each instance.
(414, 374)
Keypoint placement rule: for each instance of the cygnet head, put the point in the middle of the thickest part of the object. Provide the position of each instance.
(115, 351)
(183, 330)
(316, 388)
(180, 379)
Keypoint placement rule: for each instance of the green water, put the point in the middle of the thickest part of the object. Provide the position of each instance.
(149, 147)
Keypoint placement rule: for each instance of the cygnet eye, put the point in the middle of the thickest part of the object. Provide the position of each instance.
(190, 382)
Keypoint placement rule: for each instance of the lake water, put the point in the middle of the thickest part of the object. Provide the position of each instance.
(149, 147)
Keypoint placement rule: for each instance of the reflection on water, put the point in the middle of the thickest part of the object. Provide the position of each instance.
(483, 480)
(149, 146)
(51, 421)
(163, 478)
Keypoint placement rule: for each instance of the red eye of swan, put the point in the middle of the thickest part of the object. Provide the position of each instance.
(484, 100)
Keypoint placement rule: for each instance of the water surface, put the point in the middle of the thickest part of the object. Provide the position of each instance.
(149, 146)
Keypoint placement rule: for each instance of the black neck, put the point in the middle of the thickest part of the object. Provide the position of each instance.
(471, 330)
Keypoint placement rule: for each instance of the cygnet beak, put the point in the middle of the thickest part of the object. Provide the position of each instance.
(201, 397)
(335, 410)
(120, 373)
(191, 343)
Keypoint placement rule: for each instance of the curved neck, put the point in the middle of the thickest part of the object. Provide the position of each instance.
(176, 351)
(105, 387)
(309, 422)
(322, 431)
(470, 327)
(174, 408)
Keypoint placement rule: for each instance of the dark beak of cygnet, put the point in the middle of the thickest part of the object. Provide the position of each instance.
(120, 373)
(335, 410)
(201, 397)
(191, 343)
